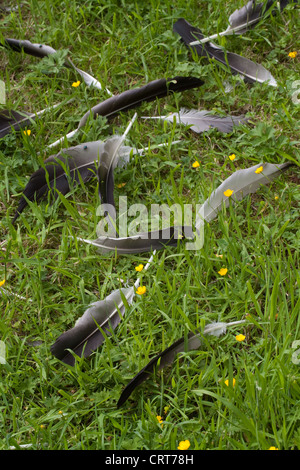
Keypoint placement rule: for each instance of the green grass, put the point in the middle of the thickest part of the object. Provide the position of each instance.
(44, 403)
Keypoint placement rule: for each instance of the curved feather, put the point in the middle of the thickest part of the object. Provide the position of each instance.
(87, 334)
(242, 183)
(191, 342)
(81, 159)
(200, 121)
(238, 64)
(145, 241)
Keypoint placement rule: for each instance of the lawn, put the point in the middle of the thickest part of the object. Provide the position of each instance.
(233, 392)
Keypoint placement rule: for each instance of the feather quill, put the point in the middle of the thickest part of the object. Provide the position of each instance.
(101, 317)
(245, 18)
(166, 357)
(242, 183)
(42, 50)
(134, 97)
(200, 121)
(238, 64)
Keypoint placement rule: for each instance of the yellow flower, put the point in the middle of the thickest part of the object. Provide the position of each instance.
(196, 164)
(240, 337)
(259, 169)
(2, 283)
(223, 271)
(76, 84)
(184, 445)
(42, 426)
(121, 185)
(273, 448)
(227, 382)
(293, 54)
(139, 268)
(27, 132)
(160, 420)
(276, 197)
(141, 290)
(228, 192)
(232, 157)
(219, 256)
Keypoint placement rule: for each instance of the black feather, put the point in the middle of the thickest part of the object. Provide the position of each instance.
(135, 97)
(10, 119)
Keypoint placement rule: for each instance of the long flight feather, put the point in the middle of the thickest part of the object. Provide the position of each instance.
(143, 242)
(42, 50)
(200, 121)
(239, 184)
(252, 71)
(166, 357)
(133, 98)
(101, 317)
(87, 334)
(245, 18)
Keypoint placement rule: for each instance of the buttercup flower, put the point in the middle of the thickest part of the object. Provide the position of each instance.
(259, 169)
(184, 445)
(160, 420)
(121, 185)
(27, 132)
(240, 337)
(293, 54)
(228, 192)
(139, 268)
(273, 448)
(276, 197)
(2, 283)
(227, 382)
(141, 290)
(195, 164)
(232, 157)
(223, 271)
(76, 84)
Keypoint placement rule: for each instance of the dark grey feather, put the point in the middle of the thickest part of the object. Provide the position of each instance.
(87, 334)
(238, 64)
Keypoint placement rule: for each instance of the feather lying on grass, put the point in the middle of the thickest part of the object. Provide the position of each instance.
(193, 341)
(245, 18)
(252, 71)
(241, 183)
(133, 98)
(98, 321)
(143, 242)
(200, 121)
(11, 119)
(42, 50)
